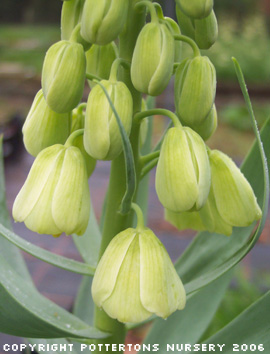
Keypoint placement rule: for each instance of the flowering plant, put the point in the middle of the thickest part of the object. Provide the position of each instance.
(109, 43)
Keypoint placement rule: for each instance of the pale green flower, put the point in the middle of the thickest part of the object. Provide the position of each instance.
(55, 197)
(183, 175)
(135, 278)
(44, 127)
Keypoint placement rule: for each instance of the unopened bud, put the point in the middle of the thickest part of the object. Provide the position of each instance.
(63, 76)
(102, 138)
(153, 59)
(70, 17)
(195, 90)
(99, 61)
(183, 175)
(207, 128)
(44, 127)
(204, 31)
(196, 8)
(103, 20)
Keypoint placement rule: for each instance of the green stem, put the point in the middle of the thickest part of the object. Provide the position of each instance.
(115, 67)
(73, 136)
(151, 7)
(158, 111)
(191, 42)
(114, 222)
(140, 217)
(149, 167)
(149, 157)
(92, 77)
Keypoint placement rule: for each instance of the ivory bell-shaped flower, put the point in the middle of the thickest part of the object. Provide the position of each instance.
(203, 31)
(102, 137)
(103, 20)
(99, 61)
(234, 195)
(63, 76)
(44, 127)
(153, 59)
(195, 90)
(55, 197)
(135, 278)
(183, 175)
(231, 201)
(196, 8)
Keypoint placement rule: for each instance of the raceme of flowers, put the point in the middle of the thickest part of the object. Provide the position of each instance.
(199, 188)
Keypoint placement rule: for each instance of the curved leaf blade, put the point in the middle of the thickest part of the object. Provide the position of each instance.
(26, 313)
(251, 327)
(129, 160)
(46, 256)
(7, 251)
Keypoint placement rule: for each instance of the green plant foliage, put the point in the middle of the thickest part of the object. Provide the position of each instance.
(250, 329)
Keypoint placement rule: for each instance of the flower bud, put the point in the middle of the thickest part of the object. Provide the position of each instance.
(70, 17)
(63, 76)
(153, 59)
(153, 288)
(204, 31)
(55, 197)
(234, 196)
(102, 137)
(183, 176)
(231, 201)
(196, 8)
(44, 127)
(99, 61)
(178, 44)
(207, 128)
(205, 219)
(103, 20)
(78, 118)
(195, 90)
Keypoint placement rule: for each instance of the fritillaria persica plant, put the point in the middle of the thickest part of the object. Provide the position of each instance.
(129, 52)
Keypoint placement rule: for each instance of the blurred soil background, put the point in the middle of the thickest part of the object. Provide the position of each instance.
(29, 27)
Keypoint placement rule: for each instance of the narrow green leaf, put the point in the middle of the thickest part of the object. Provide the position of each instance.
(248, 330)
(46, 256)
(88, 245)
(84, 305)
(26, 313)
(188, 326)
(7, 251)
(129, 159)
